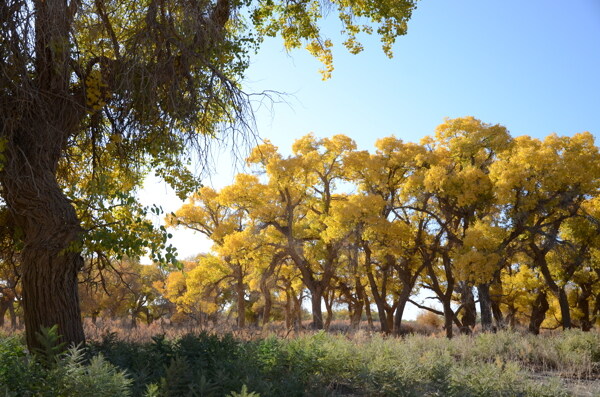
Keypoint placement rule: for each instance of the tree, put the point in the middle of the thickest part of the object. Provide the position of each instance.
(153, 78)
(301, 191)
(542, 185)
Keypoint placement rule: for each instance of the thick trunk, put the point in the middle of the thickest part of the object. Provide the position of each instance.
(583, 304)
(316, 298)
(485, 306)
(468, 318)
(498, 316)
(3, 310)
(496, 293)
(355, 311)
(402, 300)
(51, 255)
(565, 311)
(538, 313)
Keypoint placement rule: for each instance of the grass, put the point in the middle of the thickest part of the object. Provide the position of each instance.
(321, 364)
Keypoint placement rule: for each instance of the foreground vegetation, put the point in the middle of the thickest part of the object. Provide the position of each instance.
(502, 364)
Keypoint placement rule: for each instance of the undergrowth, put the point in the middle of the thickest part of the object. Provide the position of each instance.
(502, 364)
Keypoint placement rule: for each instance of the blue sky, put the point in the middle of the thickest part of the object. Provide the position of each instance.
(532, 66)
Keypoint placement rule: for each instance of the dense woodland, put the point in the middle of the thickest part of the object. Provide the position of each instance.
(500, 230)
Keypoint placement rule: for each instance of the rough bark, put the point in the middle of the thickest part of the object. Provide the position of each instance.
(402, 300)
(468, 318)
(583, 304)
(48, 223)
(538, 313)
(485, 306)
(448, 318)
(316, 298)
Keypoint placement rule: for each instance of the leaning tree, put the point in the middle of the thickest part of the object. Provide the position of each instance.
(137, 83)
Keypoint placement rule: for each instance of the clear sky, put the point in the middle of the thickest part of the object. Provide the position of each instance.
(530, 65)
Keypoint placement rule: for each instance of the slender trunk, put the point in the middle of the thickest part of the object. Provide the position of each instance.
(485, 306)
(448, 318)
(368, 313)
(13, 315)
(288, 309)
(557, 291)
(266, 315)
(298, 312)
(241, 302)
(329, 317)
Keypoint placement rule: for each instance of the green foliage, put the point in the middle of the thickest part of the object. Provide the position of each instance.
(314, 365)
(51, 346)
(243, 393)
(53, 373)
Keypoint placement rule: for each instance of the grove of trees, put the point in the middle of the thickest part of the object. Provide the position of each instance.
(507, 228)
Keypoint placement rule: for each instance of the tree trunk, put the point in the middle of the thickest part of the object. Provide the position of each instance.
(402, 299)
(538, 313)
(13, 315)
(241, 302)
(329, 297)
(485, 306)
(496, 293)
(316, 298)
(448, 318)
(557, 291)
(565, 311)
(50, 256)
(469, 315)
(355, 311)
(298, 312)
(3, 310)
(266, 314)
(583, 304)
(288, 309)
(368, 313)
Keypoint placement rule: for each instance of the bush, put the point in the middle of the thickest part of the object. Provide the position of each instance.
(320, 364)
(63, 374)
